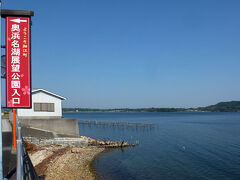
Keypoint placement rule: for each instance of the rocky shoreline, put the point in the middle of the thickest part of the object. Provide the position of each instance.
(56, 162)
(67, 157)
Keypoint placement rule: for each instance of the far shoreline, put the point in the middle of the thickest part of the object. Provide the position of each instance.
(230, 106)
(150, 112)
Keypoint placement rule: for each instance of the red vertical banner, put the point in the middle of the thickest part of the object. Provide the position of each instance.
(18, 67)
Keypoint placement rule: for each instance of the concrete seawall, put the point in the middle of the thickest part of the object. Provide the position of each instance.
(9, 155)
(65, 126)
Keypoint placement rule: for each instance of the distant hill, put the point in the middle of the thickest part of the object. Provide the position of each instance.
(231, 106)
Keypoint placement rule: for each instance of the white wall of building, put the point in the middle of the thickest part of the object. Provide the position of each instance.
(41, 97)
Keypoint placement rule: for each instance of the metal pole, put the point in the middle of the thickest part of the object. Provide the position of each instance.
(19, 155)
(1, 154)
(19, 160)
(14, 129)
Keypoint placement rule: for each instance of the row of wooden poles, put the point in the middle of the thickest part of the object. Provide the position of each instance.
(105, 123)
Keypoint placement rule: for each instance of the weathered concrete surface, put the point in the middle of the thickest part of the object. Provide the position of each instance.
(42, 134)
(64, 141)
(40, 117)
(65, 126)
(9, 155)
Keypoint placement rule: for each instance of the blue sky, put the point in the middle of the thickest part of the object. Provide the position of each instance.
(136, 53)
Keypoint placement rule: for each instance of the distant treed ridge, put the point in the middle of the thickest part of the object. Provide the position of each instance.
(231, 106)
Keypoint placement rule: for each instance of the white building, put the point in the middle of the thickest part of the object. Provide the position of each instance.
(45, 104)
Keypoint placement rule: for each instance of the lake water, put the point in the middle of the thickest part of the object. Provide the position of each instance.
(180, 146)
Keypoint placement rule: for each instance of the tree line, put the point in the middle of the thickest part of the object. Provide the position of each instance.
(231, 106)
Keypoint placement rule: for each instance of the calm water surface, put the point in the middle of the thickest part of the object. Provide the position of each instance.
(180, 146)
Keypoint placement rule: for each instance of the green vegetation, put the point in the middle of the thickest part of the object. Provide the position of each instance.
(232, 106)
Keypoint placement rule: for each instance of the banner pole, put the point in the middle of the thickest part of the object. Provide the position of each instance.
(1, 149)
